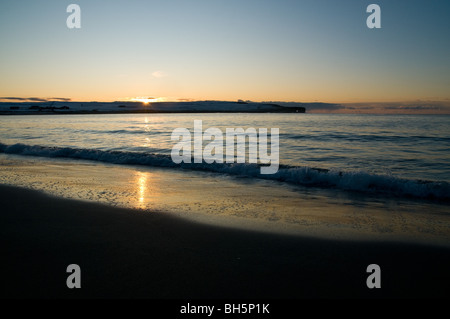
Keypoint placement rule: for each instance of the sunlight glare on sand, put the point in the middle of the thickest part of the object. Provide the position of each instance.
(237, 203)
(142, 188)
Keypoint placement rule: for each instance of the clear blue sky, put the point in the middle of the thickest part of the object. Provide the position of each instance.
(289, 50)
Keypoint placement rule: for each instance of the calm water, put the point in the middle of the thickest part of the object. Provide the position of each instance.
(366, 148)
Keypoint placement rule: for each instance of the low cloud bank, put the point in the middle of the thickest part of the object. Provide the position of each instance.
(33, 99)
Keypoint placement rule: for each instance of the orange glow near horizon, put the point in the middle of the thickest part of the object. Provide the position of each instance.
(146, 100)
(307, 51)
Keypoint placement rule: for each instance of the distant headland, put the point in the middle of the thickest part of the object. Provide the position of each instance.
(70, 107)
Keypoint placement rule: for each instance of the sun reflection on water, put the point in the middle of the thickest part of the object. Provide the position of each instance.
(141, 189)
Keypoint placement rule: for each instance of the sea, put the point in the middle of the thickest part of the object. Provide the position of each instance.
(348, 176)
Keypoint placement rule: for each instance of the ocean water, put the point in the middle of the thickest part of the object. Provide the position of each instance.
(341, 176)
(401, 155)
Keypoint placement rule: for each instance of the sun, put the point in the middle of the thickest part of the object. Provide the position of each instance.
(145, 100)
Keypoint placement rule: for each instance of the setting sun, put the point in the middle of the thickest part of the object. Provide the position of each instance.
(201, 151)
(145, 100)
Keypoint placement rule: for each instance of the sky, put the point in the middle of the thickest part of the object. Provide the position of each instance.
(259, 50)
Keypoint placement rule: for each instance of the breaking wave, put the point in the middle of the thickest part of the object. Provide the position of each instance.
(360, 181)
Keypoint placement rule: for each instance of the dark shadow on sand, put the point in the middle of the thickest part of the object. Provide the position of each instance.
(131, 254)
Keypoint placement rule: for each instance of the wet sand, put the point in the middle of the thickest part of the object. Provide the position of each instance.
(125, 253)
(247, 204)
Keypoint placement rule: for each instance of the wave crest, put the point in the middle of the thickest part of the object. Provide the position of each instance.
(306, 176)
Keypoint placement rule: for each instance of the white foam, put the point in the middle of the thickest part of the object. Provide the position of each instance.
(306, 176)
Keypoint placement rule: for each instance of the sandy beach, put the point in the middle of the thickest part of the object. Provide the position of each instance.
(125, 253)
(238, 151)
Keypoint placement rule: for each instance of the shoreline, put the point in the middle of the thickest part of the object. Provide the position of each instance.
(247, 204)
(126, 253)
